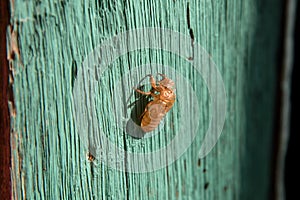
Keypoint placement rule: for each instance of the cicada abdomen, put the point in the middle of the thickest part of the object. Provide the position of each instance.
(152, 116)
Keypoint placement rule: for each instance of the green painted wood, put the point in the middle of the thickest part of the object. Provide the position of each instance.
(54, 37)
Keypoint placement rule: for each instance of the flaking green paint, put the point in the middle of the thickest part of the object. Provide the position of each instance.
(54, 39)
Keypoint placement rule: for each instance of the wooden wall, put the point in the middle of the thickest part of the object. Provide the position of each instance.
(51, 40)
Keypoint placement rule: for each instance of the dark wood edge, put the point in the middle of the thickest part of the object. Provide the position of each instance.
(283, 104)
(5, 164)
(291, 161)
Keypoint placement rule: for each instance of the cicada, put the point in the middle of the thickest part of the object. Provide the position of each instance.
(163, 94)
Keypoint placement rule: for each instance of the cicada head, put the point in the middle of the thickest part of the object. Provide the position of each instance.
(166, 82)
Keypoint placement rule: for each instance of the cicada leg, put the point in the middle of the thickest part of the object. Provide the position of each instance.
(153, 83)
(142, 92)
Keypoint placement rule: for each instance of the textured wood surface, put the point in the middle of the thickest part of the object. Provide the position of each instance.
(54, 38)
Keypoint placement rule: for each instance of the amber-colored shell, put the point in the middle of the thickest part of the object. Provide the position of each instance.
(163, 100)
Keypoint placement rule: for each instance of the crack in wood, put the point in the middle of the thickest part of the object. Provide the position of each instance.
(188, 18)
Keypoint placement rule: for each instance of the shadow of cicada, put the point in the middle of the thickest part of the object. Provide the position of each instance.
(137, 107)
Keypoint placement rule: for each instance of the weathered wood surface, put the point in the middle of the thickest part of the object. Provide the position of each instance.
(55, 37)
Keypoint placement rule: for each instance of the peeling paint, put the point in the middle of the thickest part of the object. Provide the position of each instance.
(13, 46)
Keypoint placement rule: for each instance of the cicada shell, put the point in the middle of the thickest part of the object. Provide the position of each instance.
(163, 94)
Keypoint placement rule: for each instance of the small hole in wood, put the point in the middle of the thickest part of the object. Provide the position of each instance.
(206, 185)
(225, 188)
(199, 162)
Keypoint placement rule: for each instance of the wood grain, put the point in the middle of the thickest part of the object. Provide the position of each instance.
(54, 38)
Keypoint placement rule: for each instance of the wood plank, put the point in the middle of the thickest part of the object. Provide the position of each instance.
(54, 39)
